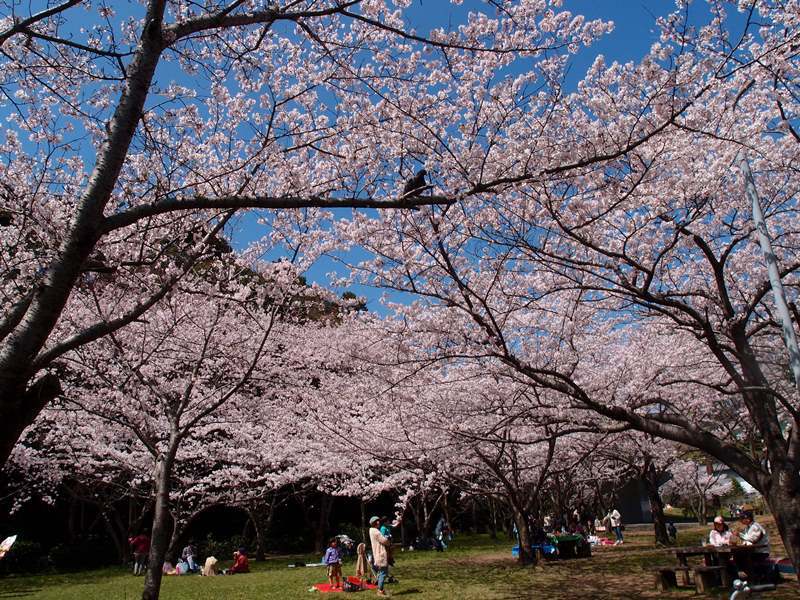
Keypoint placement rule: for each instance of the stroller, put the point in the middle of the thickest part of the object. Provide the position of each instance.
(347, 545)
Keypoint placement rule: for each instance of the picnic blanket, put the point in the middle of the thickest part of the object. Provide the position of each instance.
(326, 588)
(606, 542)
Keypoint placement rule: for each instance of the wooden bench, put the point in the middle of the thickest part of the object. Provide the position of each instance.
(706, 578)
(666, 577)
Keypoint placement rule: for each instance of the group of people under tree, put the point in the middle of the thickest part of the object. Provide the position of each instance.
(188, 562)
(615, 205)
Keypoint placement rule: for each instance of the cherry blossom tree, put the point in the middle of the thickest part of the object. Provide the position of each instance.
(70, 454)
(455, 425)
(634, 286)
(696, 483)
(180, 381)
(647, 459)
(131, 131)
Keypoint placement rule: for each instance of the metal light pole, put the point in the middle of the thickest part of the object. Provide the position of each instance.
(781, 305)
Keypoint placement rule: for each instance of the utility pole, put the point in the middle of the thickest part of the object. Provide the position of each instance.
(781, 305)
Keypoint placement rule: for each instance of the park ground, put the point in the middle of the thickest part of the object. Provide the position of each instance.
(475, 567)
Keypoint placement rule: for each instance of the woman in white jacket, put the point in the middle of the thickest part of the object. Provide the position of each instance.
(615, 520)
(380, 555)
(720, 535)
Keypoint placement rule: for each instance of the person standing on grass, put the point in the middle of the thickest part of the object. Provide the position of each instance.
(141, 549)
(672, 532)
(333, 560)
(615, 520)
(380, 554)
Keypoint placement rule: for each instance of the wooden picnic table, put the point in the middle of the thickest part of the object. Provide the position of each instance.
(720, 556)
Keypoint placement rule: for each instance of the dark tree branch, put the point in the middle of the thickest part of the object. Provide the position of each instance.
(22, 26)
(129, 217)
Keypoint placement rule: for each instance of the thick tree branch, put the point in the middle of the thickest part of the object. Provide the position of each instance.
(22, 26)
(224, 19)
(129, 217)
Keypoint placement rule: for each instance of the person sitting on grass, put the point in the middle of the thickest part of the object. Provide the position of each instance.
(210, 568)
(720, 535)
(333, 560)
(189, 555)
(182, 568)
(240, 563)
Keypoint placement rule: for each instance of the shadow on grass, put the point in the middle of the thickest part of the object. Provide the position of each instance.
(19, 593)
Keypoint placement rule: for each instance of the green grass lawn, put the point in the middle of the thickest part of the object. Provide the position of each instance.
(474, 568)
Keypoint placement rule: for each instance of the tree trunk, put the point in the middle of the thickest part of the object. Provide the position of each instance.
(364, 524)
(427, 517)
(650, 481)
(321, 529)
(473, 522)
(122, 532)
(600, 505)
(174, 545)
(120, 544)
(492, 519)
(21, 404)
(161, 531)
(248, 530)
(261, 519)
(526, 555)
(415, 516)
(428, 514)
(702, 510)
(783, 499)
(72, 526)
(20, 400)
(446, 512)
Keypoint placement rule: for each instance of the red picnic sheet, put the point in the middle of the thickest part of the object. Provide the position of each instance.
(326, 588)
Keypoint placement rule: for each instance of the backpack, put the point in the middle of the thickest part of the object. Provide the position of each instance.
(349, 586)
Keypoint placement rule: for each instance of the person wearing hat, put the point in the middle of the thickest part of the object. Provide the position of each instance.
(380, 554)
(753, 533)
(720, 533)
